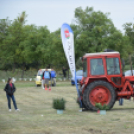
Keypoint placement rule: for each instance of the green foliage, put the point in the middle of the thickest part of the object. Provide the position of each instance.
(59, 104)
(93, 31)
(129, 34)
(97, 32)
(100, 107)
(79, 64)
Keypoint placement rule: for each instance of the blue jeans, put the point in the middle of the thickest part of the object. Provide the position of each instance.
(9, 101)
(121, 101)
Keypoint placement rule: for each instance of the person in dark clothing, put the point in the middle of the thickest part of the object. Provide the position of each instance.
(10, 89)
(53, 77)
(64, 72)
(121, 101)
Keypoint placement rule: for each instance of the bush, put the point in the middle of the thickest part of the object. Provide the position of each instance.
(59, 104)
(100, 107)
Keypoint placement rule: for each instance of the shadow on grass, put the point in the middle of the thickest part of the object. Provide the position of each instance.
(115, 109)
(121, 109)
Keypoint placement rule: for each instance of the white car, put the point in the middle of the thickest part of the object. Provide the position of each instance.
(129, 73)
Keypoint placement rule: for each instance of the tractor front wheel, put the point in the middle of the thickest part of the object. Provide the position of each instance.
(99, 92)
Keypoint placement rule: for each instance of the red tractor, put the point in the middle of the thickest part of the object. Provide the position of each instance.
(103, 80)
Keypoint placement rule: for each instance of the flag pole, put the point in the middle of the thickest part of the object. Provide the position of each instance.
(78, 90)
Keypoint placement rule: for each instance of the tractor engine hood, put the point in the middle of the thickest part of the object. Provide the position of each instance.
(130, 78)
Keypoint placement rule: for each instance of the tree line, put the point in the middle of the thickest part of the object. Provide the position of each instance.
(29, 46)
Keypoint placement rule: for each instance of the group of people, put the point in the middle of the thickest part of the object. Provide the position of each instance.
(10, 87)
(48, 77)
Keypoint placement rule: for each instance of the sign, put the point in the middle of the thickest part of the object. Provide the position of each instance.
(68, 45)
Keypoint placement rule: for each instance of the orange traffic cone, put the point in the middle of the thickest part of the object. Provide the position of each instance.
(46, 87)
(98, 111)
(49, 88)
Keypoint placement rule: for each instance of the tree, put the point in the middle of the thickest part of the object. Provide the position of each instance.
(36, 44)
(58, 55)
(97, 32)
(11, 49)
(4, 24)
(129, 32)
(24, 46)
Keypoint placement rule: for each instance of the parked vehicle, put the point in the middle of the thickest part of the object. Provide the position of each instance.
(129, 73)
(103, 80)
(79, 75)
(38, 80)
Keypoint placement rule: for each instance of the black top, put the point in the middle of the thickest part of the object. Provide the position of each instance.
(64, 71)
(9, 90)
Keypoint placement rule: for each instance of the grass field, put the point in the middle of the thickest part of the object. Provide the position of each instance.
(38, 117)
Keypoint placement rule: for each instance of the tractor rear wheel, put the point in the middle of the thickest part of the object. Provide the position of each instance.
(99, 92)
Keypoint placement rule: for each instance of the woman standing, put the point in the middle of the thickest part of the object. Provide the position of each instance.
(10, 89)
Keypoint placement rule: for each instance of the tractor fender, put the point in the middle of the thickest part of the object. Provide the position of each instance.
(90, 80)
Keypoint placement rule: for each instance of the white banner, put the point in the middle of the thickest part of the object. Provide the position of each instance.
(68, 45)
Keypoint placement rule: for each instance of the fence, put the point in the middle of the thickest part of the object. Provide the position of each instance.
(28, 76)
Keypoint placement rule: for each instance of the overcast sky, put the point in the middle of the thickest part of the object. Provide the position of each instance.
(53, 13)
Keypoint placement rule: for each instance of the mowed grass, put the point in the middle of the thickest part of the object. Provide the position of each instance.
(38, 117)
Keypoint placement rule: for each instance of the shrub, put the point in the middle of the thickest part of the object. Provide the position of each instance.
(59, 104)
(100, 107)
